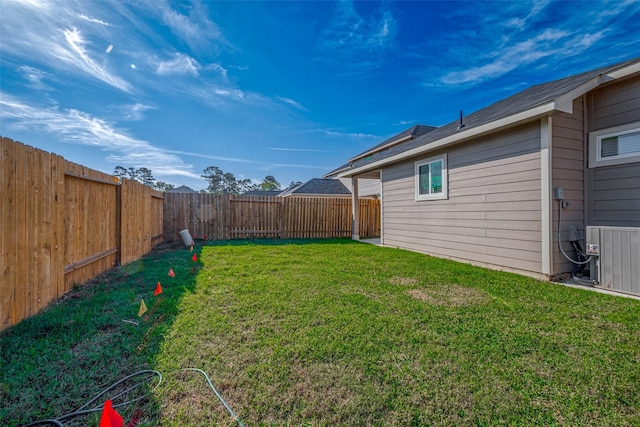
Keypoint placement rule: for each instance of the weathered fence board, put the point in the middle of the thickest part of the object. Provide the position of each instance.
(221, 217)
(60, 225)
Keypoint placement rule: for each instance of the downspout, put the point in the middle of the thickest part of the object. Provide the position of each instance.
(546, 126)
(587, 176)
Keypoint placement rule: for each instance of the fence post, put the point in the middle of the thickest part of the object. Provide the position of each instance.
(118, 230)
(355, 210)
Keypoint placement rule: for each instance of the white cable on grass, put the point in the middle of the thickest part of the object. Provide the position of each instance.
(58, 422)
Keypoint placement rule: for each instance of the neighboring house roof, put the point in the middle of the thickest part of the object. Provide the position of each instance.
(182, 189)
(408, 134)
(318, 187)
(271, 193)
(527, 105)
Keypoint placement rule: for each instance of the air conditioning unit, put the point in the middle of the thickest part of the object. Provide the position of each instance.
(615, 258)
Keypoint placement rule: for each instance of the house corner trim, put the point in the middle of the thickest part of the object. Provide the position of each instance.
(546, 192)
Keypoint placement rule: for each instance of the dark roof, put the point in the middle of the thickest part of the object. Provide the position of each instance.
(411, 133)
(528, 99)
(320, 186)
(182, 189)
(271, 193)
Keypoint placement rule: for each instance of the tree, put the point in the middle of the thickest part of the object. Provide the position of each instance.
(120, 172)
(162, 186)
(214, 176)
(293, 184)
(245, 185)
(269, 183)
(143, 176)
(221, 182)
(133, 174)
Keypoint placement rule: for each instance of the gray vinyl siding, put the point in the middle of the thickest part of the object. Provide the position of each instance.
(367, 187)
(493, 213)
(568, 163)
(615, 189)
(616, 199)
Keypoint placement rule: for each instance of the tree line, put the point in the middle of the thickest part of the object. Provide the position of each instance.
(219, 182)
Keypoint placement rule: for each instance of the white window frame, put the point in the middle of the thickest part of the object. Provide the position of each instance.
(445, 179)
(595, 139)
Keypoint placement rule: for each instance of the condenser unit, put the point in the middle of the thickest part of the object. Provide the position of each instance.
(615, 258)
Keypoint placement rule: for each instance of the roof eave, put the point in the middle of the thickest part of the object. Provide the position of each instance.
(390, 144)
(563, 103)
(456, 138)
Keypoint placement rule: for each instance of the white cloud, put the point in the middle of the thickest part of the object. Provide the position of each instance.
(291, 102)
(551, 42)
(80, 57)
(94, 20)
(133, 112)
(219, 68)
(52, 38)
(520, 23)
(350, 135)
(35, 77)
(180, 64)
(207, 156)
(262, 165)
(302, 150)
(355, 41)
(196, 29)
(516, 35)
(74, 126)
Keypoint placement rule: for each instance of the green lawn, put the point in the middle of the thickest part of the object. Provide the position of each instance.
(329, 332)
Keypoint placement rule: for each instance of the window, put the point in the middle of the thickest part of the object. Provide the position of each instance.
(615, 146)
(431, 178)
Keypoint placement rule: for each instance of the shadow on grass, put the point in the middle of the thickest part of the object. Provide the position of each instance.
(55, 361)
(330, 336)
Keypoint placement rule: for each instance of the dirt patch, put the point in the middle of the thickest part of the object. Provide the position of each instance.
(165, 247)
(403, 281)
(450, 295)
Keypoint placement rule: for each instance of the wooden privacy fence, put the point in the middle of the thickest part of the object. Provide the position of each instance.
(222, 217)
(62, 224)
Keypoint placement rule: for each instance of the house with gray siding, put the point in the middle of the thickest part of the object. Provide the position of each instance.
(486, 189)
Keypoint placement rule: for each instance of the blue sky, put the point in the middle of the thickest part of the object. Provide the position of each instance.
(289, 89)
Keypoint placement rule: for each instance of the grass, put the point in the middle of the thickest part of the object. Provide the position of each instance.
(329, 332)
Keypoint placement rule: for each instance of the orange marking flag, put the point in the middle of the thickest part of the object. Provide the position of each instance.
(195, 257)
(158, 290)
(171, 273)
(143, 308)
(109, 417)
